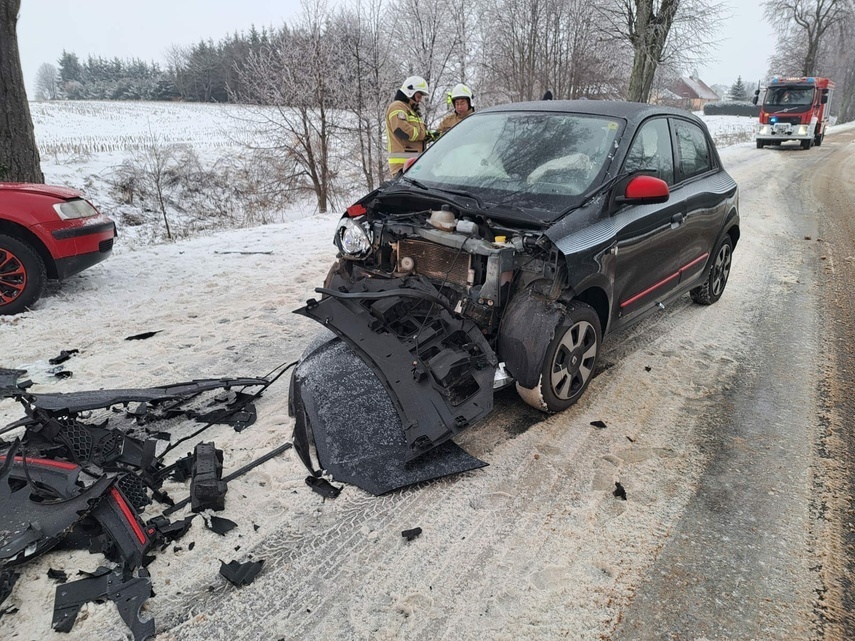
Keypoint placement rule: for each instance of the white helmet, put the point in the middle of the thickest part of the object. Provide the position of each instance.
(461, 91)
(414, 85)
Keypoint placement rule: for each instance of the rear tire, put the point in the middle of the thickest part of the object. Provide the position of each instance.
(22, 275)
(569, 362)
(713, 288)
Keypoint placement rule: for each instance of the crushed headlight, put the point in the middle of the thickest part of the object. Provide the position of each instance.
(803, 130)
(77, 208)
(352, 238)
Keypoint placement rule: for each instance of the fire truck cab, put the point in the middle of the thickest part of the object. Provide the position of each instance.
(794, 109)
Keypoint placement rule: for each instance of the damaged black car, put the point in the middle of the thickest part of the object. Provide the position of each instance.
(504, 254)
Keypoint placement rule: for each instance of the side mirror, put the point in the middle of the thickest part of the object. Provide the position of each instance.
(644, 190)
(754, 100)
(756, 96)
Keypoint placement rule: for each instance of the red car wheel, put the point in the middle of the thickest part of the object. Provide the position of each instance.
(22, 275)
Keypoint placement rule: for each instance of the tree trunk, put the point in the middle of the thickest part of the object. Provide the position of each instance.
(648, 34)
(19, 156)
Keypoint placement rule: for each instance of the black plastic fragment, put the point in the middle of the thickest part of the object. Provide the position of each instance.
(647, 368)
(64, 374)
(182, 469)
(57, 575)
(619, 492)
(171, 530)
(142, 336)
(7, 582)
(599, 424)
(128, 593)
(220, 525)
(411, 534)
(131, 538)
(323, 487)
(207, 489)
(240, 574)
(239, 412)
(9, 385)
(64, 355)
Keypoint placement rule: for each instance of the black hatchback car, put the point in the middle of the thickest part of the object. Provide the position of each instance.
(513, 245)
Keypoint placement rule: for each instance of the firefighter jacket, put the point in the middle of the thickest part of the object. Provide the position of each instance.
(405, 133)
(452, 119)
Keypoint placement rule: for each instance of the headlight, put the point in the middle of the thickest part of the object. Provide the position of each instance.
(352, 238)
(765, 130)
(77, 208)
(803, 130)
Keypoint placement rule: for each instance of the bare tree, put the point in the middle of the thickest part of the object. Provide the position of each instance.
(47, 82)
(19, 155)
(662, 31)
(813, 18)
(292, 87)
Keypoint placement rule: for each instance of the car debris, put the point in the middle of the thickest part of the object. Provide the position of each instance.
(218, 524)
(240, 574)
(87, 464)
(411, 534)
(64, 355)
(599, 424)
(619, 491)
(323, 487)
(127, 591)
(207, 489)
(143, 336)
(57, 575)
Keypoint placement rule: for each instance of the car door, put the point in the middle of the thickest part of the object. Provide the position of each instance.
(704, 187)
(647, 251)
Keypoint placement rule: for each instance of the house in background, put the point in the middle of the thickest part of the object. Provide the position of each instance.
(691, 93)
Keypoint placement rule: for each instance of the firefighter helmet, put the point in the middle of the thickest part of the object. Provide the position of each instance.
(461, 91)
(414, 85)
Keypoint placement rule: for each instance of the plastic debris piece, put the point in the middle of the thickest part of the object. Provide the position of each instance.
(64, 374)
(647, 368)
(207, 489)
(171, 530)
(7, 582)
(599, 424)
(411, 534)
(323, 487)
(619, 492)
(128, 595)
(240, 574)
(220, 525)
(64, 355)
(143, 336)
(57, 575)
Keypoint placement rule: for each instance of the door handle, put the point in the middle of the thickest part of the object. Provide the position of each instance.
(677, 220)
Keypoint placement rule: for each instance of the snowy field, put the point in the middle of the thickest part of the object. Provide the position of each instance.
(222, 304)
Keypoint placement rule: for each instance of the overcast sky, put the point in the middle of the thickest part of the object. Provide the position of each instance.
(146, 29)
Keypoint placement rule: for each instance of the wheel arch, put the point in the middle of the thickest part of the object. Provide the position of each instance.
(598, 299)
(25, 235)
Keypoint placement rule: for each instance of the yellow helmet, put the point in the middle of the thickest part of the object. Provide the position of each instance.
(414, 85)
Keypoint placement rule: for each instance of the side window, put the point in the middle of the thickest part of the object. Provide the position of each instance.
(651, 151)
(695, 155)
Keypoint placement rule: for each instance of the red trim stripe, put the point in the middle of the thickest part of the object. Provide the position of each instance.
(44, 461)
(662, 282)
(129, 514)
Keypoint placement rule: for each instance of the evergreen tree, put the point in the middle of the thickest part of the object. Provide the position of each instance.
(738, 92)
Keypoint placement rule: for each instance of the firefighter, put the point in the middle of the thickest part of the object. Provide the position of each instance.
(405, 131)
(461, 99)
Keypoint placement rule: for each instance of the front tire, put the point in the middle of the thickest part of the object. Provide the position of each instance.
(807, 144)
(569, 362)
(713, 288)
(761, 144)
(22, 275)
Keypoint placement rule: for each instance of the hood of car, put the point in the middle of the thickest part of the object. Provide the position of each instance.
(63, 193)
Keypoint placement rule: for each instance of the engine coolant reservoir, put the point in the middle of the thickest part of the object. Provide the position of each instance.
(443, 219)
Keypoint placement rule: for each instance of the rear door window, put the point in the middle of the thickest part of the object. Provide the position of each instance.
(694, 156)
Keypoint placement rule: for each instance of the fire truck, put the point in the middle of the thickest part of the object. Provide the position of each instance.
(794, 109)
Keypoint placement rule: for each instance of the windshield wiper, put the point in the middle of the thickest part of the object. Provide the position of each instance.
(454, 192)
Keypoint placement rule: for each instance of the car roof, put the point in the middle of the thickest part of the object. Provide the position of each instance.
(630, 111)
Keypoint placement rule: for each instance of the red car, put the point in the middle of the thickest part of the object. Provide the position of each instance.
(46, 232)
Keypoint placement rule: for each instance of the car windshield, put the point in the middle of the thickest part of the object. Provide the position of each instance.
(534, 160)
(798, 97)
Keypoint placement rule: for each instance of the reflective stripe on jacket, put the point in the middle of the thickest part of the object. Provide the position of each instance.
(452, 119)
(405, 134)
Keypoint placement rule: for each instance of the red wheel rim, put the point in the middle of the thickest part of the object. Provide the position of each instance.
(13, 277)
